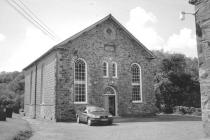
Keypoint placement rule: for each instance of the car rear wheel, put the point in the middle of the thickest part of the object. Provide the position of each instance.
(89, 122)
(78, 120)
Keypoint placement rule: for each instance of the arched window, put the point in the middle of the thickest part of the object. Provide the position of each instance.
(109, 91)
(114, 69)
(80, 81)
(136, 83)
(105, 69)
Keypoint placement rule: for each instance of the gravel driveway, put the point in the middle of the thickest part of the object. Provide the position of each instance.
(154, 130)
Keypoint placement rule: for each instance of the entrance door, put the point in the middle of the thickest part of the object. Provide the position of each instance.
(112, 105)
(110, 100)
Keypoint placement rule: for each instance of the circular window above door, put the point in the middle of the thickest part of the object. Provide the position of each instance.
(109, 33)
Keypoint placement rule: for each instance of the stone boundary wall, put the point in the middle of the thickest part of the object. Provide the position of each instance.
(202, 19)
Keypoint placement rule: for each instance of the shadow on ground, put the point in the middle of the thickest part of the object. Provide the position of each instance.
(158, 118)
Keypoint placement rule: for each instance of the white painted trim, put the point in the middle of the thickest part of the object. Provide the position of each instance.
(140, 84)
(140, 101)
(80, 102)
(86, 98)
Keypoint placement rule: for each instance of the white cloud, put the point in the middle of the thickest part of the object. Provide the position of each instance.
(2, 37)
(184, 42)
(34, 45)
(141, 24)
(138, 26)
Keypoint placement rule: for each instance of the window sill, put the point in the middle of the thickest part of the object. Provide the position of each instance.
(105, 76)
(80, 102)
(136, 102)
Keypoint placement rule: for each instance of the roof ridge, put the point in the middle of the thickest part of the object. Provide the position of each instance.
(87, 29)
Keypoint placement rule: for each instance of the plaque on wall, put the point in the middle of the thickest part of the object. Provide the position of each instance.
(110, 47)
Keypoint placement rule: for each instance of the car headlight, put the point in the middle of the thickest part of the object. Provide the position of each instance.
(94, 116)
(110, 116)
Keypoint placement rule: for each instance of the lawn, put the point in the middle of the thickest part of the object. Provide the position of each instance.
(14, 128)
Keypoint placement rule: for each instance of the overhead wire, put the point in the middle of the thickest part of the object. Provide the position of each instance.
(40, 21)
(34, 20)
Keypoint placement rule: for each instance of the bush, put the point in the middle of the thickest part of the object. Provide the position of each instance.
(2, 113)
(23, 135)
(9, 112)
(186, 110)
(166, 109)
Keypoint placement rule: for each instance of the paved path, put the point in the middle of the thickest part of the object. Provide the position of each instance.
(172, 130)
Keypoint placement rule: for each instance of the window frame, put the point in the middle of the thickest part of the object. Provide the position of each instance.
(137, 84)
(107, 69)
(80, 82)
(115, 69)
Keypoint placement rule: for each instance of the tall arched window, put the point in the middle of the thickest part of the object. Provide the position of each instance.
(136, 83)
(80, 81)
(105, 69)
(114, 69)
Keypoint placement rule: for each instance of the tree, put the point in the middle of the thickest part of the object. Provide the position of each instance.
(176, 82)
(12, 89)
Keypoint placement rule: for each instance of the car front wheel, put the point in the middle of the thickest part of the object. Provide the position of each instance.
(89, 122)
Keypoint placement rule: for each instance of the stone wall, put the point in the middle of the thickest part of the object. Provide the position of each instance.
(29, 102)
(44, 72)
(202, 18)
(96, 46)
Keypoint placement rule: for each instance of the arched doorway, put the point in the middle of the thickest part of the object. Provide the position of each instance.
(110, 100)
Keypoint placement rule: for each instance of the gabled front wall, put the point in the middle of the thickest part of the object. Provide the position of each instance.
(94, 47)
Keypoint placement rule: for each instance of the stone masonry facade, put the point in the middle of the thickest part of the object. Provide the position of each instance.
(35, 87)
(94, 45)
(202, 19)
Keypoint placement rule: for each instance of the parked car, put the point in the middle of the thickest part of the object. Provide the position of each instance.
(94, 115)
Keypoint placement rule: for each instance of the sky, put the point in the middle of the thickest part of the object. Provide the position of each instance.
(155, 23)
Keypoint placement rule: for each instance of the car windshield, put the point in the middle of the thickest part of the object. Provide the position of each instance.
(95, 109)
